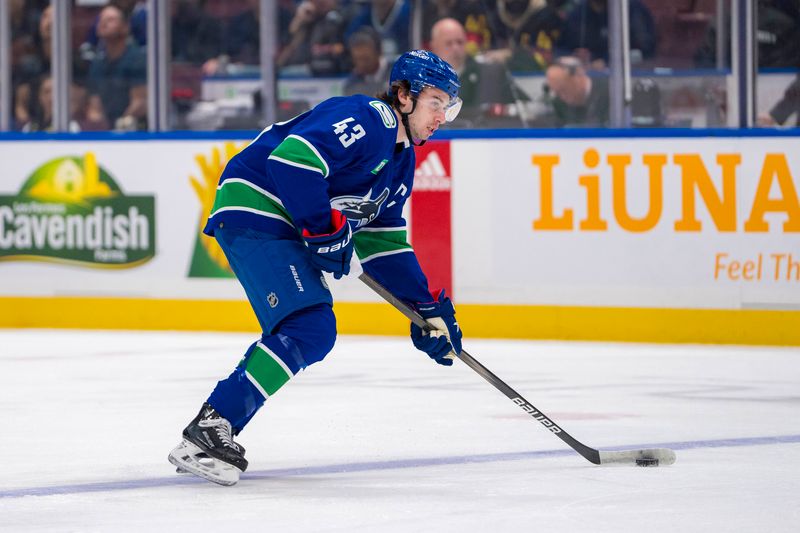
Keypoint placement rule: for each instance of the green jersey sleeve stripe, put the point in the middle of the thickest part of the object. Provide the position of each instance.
(253, 186)
(298, 152)
(294, 164)
(241, 195)
(384, 254)
(368, 244)
(311, 147)
(254, 211)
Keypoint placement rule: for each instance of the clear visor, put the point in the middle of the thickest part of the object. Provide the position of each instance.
(450, 108)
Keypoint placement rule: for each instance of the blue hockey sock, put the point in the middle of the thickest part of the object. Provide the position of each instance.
(258, 376)
(301, 339)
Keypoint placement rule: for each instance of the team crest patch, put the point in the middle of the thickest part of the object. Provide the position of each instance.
(386, 113)
(272, 299)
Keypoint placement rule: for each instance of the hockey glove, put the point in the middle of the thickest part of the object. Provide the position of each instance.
(444, 342)
(331, 252)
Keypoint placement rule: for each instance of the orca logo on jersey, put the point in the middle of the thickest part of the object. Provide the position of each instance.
(360, 210)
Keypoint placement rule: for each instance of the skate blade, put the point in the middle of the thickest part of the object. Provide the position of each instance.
(202, 458)
(184, 457)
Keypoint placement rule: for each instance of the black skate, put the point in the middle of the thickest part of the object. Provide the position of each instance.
(208, 450)
(205, 459)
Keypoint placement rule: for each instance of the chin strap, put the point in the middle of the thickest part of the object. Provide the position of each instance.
(404, 119)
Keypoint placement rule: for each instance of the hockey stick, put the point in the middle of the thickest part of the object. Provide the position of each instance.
(642, 457)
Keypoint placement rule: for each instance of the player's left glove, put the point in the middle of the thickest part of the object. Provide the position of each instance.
(332, 251)
(443, 343)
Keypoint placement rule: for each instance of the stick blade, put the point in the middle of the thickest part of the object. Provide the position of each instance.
(665, 456)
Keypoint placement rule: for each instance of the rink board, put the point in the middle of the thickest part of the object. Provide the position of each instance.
(693, 239)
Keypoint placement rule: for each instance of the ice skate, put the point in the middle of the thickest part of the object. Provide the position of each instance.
(203, 458)
(208, 450)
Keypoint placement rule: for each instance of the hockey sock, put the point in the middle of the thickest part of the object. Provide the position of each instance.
(302, 339)
(258, 376)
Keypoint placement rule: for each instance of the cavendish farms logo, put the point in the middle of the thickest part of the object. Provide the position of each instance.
(70, 210)
(208, 260)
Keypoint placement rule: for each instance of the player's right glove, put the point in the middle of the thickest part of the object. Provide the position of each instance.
(332, 251)
(443, 343)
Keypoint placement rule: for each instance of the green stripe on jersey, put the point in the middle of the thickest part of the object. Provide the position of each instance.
(234, 194)
(264, 368)
(370, 243)
(296, 151)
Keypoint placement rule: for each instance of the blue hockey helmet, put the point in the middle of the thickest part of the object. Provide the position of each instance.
(421, 69)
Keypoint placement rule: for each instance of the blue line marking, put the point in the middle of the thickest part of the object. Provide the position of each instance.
(376, 466)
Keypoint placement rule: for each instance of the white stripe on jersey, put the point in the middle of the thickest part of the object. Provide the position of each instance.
(250, 210)
(376, 230)
(316, 153)
(298, 165)
(384, 254)
(254, 187)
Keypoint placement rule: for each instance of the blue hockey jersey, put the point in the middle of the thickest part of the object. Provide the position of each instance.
(342, 154)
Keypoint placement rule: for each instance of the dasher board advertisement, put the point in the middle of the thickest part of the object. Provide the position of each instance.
(699, 223)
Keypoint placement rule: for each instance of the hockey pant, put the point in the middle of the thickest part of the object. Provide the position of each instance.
(294, 308)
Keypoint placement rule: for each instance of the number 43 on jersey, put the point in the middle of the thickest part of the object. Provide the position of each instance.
(348, 137)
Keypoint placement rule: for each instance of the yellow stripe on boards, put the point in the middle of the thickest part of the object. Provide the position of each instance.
(757, 327)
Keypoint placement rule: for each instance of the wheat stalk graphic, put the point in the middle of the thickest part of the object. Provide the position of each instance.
(206, 188)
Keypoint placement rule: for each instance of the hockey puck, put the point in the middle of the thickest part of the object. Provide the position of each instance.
(646, 462)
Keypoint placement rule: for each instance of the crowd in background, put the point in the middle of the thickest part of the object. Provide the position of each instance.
(485, 40)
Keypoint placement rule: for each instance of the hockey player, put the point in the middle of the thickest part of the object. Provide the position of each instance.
(297, 201)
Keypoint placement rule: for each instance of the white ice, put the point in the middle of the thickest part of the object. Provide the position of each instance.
(378, 438)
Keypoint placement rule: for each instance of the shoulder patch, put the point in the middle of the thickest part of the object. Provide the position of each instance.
(380, 166)
(386, 113)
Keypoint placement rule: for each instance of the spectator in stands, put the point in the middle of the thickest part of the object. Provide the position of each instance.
(37, 68)
(531, 29)
(577, 98)
(370, 67)
(391, 19)
(317, 38)
(31, 53)
(24, 24)
(217, 35)
(42, 116)
(479, 18)
(117, 75)
(585, 33)
(243, 39)
(787, 106)
(136, 13)
(481, 83)
(195, 34)
(778, 37)
(449, 41)
(286, 12)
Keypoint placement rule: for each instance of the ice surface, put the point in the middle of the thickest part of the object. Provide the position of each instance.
(378, 438)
